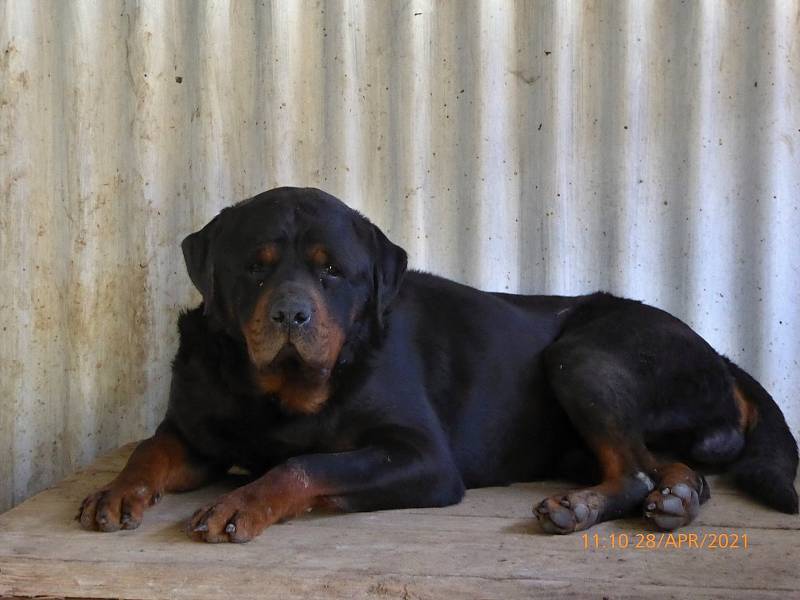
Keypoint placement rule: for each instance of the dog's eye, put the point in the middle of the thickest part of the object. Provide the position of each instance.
(331, 270)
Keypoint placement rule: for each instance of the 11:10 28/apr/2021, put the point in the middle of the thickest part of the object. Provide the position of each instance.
(667, 541)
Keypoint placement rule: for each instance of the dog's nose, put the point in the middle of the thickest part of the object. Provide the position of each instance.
(292, 313)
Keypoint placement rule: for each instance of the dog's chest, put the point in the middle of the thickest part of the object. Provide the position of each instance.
(257, 435)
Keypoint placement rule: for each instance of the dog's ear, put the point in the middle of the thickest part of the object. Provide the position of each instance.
(390, 265)
(197, 252)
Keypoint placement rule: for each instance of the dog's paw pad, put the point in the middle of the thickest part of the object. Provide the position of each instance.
(565, 514)
(672, 507)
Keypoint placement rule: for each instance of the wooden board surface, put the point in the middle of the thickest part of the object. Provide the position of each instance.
(488, 546)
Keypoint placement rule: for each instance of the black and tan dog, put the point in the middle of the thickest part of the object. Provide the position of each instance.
(341, 380)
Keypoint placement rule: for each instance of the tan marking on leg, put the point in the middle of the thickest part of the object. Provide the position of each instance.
(611, 461)
(674, 473)
(748, 413)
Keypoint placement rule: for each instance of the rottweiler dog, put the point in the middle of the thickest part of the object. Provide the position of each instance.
(341, 380)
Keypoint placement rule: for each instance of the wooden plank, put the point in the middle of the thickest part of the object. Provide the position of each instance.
(421, 549)
(146, 582)
(488, 547)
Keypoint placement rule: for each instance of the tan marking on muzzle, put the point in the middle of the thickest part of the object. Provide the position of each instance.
(332, 334)
(255, 330)
(297, 396)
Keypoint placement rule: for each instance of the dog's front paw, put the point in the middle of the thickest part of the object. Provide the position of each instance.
(235, 517)
(116, 506)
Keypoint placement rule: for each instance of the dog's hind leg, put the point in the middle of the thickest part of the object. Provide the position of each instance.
(600, 398)
(624, 486)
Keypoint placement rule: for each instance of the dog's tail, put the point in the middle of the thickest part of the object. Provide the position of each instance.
(767, 466)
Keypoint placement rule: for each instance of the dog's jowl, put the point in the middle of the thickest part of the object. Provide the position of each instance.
(340, 379)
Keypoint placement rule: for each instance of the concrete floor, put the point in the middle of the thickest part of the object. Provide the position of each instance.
(488, 546)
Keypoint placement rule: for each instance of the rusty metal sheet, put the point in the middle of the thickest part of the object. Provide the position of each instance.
(646, 148)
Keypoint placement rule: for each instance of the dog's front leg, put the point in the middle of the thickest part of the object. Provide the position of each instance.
(162, 463)
(371, 478)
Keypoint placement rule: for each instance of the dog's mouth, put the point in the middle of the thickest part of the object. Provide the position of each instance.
(291, 364)
(288, 359)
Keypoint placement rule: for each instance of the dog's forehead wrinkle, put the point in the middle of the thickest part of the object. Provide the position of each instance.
(334, 242)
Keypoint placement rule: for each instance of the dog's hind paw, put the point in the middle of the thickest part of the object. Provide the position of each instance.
(567, 513)
(672, 507)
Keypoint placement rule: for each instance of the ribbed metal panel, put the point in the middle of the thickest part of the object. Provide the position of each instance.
(647, 148)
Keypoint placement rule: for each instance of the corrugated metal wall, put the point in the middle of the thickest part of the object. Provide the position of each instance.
(648, 148)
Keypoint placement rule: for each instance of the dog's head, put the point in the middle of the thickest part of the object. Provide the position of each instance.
(294, 273)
